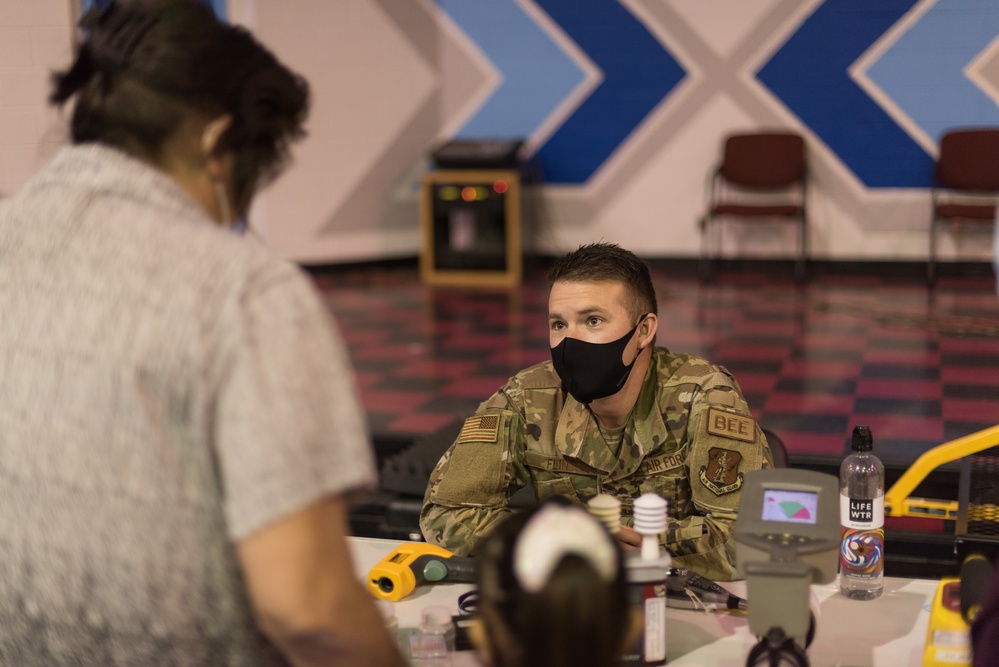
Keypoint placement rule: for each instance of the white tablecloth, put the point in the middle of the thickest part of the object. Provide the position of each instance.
(887, 632)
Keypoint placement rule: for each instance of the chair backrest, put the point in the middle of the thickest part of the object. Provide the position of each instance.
(764, 160)
(777, 448)
(969, 159)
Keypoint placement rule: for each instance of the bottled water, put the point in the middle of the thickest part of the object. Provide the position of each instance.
(862, 517)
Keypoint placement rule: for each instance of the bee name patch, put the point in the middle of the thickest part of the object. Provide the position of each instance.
(731, 426)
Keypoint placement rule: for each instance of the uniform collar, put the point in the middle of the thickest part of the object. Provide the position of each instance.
(104, 169)
(578, 437)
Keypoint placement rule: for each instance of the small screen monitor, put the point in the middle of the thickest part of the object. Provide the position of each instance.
(789, 506)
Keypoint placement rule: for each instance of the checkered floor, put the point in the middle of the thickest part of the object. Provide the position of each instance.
(920, 366)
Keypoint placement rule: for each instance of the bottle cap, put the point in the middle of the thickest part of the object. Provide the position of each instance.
(650, 511)
(862, 440)
(436, 616)
(607, 508)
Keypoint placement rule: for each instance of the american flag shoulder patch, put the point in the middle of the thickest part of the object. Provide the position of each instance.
(480, 428)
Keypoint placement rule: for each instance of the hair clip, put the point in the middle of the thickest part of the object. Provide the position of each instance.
(554, 532)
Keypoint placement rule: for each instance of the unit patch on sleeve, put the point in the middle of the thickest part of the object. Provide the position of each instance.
(480, 428)
(731, 426)
(722, 475)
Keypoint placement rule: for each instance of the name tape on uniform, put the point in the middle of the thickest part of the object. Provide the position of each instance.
(657, 464)
(556, 464)
(731, 426)
(650, 466)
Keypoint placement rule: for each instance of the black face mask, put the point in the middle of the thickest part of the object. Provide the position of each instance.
(593, 370)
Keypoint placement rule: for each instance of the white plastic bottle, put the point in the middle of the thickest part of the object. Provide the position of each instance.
(647, 571)
(862, 517)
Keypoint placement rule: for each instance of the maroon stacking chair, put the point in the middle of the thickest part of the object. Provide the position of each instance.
(763, 177)
(965, 184)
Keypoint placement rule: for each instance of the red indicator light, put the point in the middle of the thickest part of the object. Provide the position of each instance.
(499, 187)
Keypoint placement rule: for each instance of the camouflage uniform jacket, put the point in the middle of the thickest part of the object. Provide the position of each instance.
(689, 438)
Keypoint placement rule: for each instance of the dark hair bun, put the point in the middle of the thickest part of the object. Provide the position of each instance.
(146, 65)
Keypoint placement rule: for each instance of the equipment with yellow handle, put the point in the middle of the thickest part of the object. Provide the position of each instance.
(413, 563)
(897, 500)
(948, 638)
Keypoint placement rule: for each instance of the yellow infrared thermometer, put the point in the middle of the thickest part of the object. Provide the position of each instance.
(414, 563)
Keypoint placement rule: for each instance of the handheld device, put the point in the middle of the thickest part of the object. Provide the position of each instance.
(412, 563)
(786, 538)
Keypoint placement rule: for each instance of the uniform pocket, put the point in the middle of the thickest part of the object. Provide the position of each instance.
(557, 487)
(473, 475)
(674, 489)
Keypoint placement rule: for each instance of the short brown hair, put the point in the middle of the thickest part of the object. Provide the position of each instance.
(608, 262)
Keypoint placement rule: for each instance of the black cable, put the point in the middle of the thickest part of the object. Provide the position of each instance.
(468, 602)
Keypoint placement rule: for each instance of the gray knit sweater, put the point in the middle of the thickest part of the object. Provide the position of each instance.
(166, 389)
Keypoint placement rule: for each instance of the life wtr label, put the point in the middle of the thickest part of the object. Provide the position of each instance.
(861, 553)
(862, 514)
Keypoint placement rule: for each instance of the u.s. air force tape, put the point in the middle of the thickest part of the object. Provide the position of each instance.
(480, 428)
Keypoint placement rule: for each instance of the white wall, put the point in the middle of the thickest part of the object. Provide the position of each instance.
(35, 38)
(368, 129)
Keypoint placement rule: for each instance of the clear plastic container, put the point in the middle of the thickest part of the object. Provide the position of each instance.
(432, 645)
(862, 517)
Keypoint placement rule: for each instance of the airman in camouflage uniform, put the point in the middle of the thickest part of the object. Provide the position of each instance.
(689, 438)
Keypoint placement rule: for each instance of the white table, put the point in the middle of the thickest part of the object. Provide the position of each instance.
(887, 632)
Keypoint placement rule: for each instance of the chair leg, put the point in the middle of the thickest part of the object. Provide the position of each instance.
(704, 266)
(799, 265)
(931, 272)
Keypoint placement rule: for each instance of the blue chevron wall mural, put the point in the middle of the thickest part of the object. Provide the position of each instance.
(218, 5)
(921, 75)
(810, 73)
(624, 105)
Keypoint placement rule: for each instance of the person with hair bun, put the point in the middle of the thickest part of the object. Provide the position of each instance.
(179, 428)
(552, 591)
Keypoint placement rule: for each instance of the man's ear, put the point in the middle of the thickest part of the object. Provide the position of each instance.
(647, 330)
